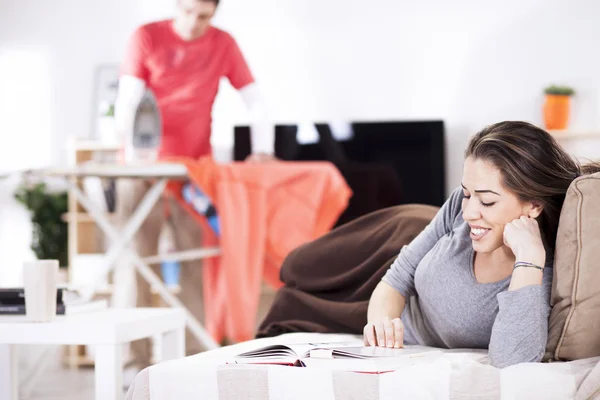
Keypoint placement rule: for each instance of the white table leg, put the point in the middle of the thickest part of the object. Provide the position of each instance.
(109, 372)
(172, 345)
(9, 383)
(28, 382)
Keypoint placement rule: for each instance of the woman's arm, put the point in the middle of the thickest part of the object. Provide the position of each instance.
(520, 331)
(385, 302)
(401, 274)
(384, 327)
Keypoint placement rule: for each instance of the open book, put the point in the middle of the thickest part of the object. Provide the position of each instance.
(340, 356)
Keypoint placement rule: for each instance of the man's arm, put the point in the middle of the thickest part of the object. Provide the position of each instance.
(262, 130)
(132, 86)
(131, 91)
(240, 77)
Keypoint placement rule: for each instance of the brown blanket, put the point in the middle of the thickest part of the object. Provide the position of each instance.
(329, 281)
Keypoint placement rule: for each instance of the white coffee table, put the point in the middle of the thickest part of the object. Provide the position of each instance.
(107, 330)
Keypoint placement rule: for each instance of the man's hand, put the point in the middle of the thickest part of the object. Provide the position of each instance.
(260, 158)
(386, 333)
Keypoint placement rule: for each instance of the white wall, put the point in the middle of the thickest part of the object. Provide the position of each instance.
(469, 62)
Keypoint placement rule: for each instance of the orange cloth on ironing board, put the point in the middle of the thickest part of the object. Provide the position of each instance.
(266, 210)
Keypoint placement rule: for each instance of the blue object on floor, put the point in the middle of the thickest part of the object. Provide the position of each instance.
(166, 245)
(202, 204)
(170, 271)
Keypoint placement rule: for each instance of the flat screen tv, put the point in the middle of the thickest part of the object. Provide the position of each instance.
(384, 163)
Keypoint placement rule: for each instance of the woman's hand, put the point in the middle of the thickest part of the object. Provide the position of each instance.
(386, 333)
(523, 237)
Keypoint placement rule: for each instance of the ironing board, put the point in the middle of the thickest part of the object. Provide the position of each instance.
(160, 174)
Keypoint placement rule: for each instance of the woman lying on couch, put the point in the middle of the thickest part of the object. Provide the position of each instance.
(480, 274)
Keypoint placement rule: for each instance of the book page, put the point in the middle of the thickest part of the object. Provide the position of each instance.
(294, 350)
(274, 351)
(373, 365)
(371, 352)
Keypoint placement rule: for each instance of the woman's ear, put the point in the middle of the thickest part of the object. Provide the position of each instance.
(535, 210)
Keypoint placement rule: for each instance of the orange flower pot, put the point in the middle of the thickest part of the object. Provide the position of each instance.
(556, 111)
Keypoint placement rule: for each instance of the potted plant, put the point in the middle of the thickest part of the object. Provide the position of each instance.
(557, 106)
(49, 229)
(106, 124)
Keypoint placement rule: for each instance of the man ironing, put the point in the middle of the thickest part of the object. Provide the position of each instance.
(182, 61)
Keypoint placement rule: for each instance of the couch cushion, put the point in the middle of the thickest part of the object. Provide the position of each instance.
(329, 281)
(574, 326)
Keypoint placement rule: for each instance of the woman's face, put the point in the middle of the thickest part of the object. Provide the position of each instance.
(488, 205)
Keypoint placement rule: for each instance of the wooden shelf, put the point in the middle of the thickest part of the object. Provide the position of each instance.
(83, 217)
(105, 290)
(174, 289)
(84, 234)
(79, 360)
(91, 145)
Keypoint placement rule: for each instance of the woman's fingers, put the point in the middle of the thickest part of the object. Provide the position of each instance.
(369, 335)
(386, 333)
(389, 334)
(380, 334)
(398, 333)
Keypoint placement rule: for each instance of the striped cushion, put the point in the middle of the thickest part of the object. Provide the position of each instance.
(459, 374)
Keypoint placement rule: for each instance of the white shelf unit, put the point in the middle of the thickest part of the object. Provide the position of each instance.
(85, 238)
(568, 134)
(583, 144)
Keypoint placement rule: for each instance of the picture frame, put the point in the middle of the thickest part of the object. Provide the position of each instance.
(106, 86)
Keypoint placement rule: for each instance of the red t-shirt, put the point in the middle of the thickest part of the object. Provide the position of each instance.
(184, 77)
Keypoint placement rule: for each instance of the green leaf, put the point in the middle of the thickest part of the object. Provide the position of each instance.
(49, 240)
(559, 90)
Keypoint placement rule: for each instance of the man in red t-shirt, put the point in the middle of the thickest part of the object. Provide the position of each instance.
(182, 61)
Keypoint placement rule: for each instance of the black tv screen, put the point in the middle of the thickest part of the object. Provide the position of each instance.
(384, 163)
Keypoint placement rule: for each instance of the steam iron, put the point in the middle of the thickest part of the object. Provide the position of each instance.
(147, 129)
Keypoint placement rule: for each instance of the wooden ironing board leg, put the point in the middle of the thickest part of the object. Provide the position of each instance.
(119, 246)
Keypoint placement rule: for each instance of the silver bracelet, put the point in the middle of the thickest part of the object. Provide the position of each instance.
(527, 265)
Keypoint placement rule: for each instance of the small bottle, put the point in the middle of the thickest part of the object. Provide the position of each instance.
(202, 204)
(170, 269)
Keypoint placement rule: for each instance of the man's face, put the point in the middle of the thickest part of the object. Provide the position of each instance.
(193, 17)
